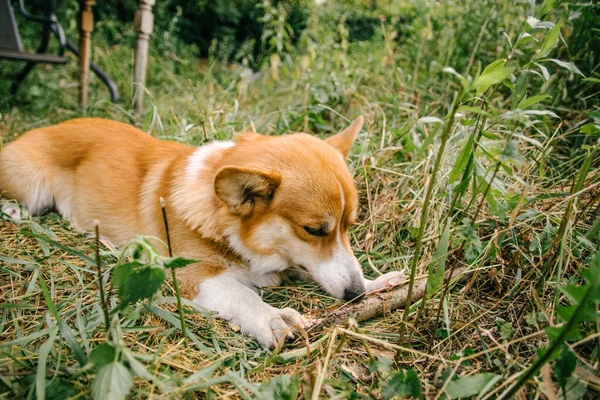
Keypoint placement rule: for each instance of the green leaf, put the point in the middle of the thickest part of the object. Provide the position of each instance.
(565, 365)
(475, 110)
(452, 71)
(60, 389)
(550, 41)
(404, 383)
(574, 389)
(177, 262)
(138, 284)
(121, 271)
(48, 298)
(438, 264)
(40, 375)
(547, 6)
(506, 330)
(462, 160)
(469, 385)
(113, 382)
(493, 74)
(590, 129)
(103, 355)
(529, 101)
(283, 387)
(67, 334)
(574, 293)
(567, 65)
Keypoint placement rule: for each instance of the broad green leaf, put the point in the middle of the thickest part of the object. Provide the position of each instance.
(404, 383)
(493, 74)
(524, 38)
(574, 293)
(529, 101)
(438, 264)
(469, 385)
(575, 389)
(554, 331)
(590, 129)
(519, 89)
(544, 71)
(547, 6)
(177, 262)
(473, 109)
(121, 271)
(139, 284)
(537, 24)
(550, 42)
(103, 355)
(567, 65)
(565, 365)
(283, 387)
(462, 160)
(113, 382)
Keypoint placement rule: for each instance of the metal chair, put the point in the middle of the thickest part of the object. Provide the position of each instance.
(12, 49)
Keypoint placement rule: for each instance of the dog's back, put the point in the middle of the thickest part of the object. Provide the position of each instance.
(98, 163)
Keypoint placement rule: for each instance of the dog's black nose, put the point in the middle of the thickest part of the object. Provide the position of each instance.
(353, 294)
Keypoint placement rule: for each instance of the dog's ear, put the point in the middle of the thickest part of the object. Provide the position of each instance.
(343, 140)
(242, 188)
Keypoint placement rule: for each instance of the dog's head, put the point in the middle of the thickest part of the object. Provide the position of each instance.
(292, 201)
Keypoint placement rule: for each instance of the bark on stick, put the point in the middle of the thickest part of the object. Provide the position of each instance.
(377, 304)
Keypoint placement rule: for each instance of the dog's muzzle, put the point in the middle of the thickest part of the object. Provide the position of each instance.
(354, 294)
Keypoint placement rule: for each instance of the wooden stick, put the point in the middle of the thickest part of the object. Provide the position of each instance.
(377, 304)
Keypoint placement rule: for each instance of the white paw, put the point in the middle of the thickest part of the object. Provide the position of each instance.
(273, 325)
(385, 281)
(13, 210)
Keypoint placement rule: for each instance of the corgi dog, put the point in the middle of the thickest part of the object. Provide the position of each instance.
(251, 211)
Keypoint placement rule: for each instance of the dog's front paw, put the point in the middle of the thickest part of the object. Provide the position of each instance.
(13, 210)
(272, 325)
(385, 281)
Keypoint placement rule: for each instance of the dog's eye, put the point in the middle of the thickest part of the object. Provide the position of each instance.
(319, 232)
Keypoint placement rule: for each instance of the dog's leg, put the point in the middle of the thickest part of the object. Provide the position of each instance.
(238, 303)
(384, 281)
(13, 210)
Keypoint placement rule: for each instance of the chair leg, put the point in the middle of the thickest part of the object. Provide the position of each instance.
(112, 87)
(86, 25)
(144, 24)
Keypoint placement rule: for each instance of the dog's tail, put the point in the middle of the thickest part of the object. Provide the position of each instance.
(22, 176)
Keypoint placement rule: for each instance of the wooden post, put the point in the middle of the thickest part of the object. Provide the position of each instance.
(86, 24)
(144, 23)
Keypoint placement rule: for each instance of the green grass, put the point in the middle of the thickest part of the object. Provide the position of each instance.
(520, 236)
